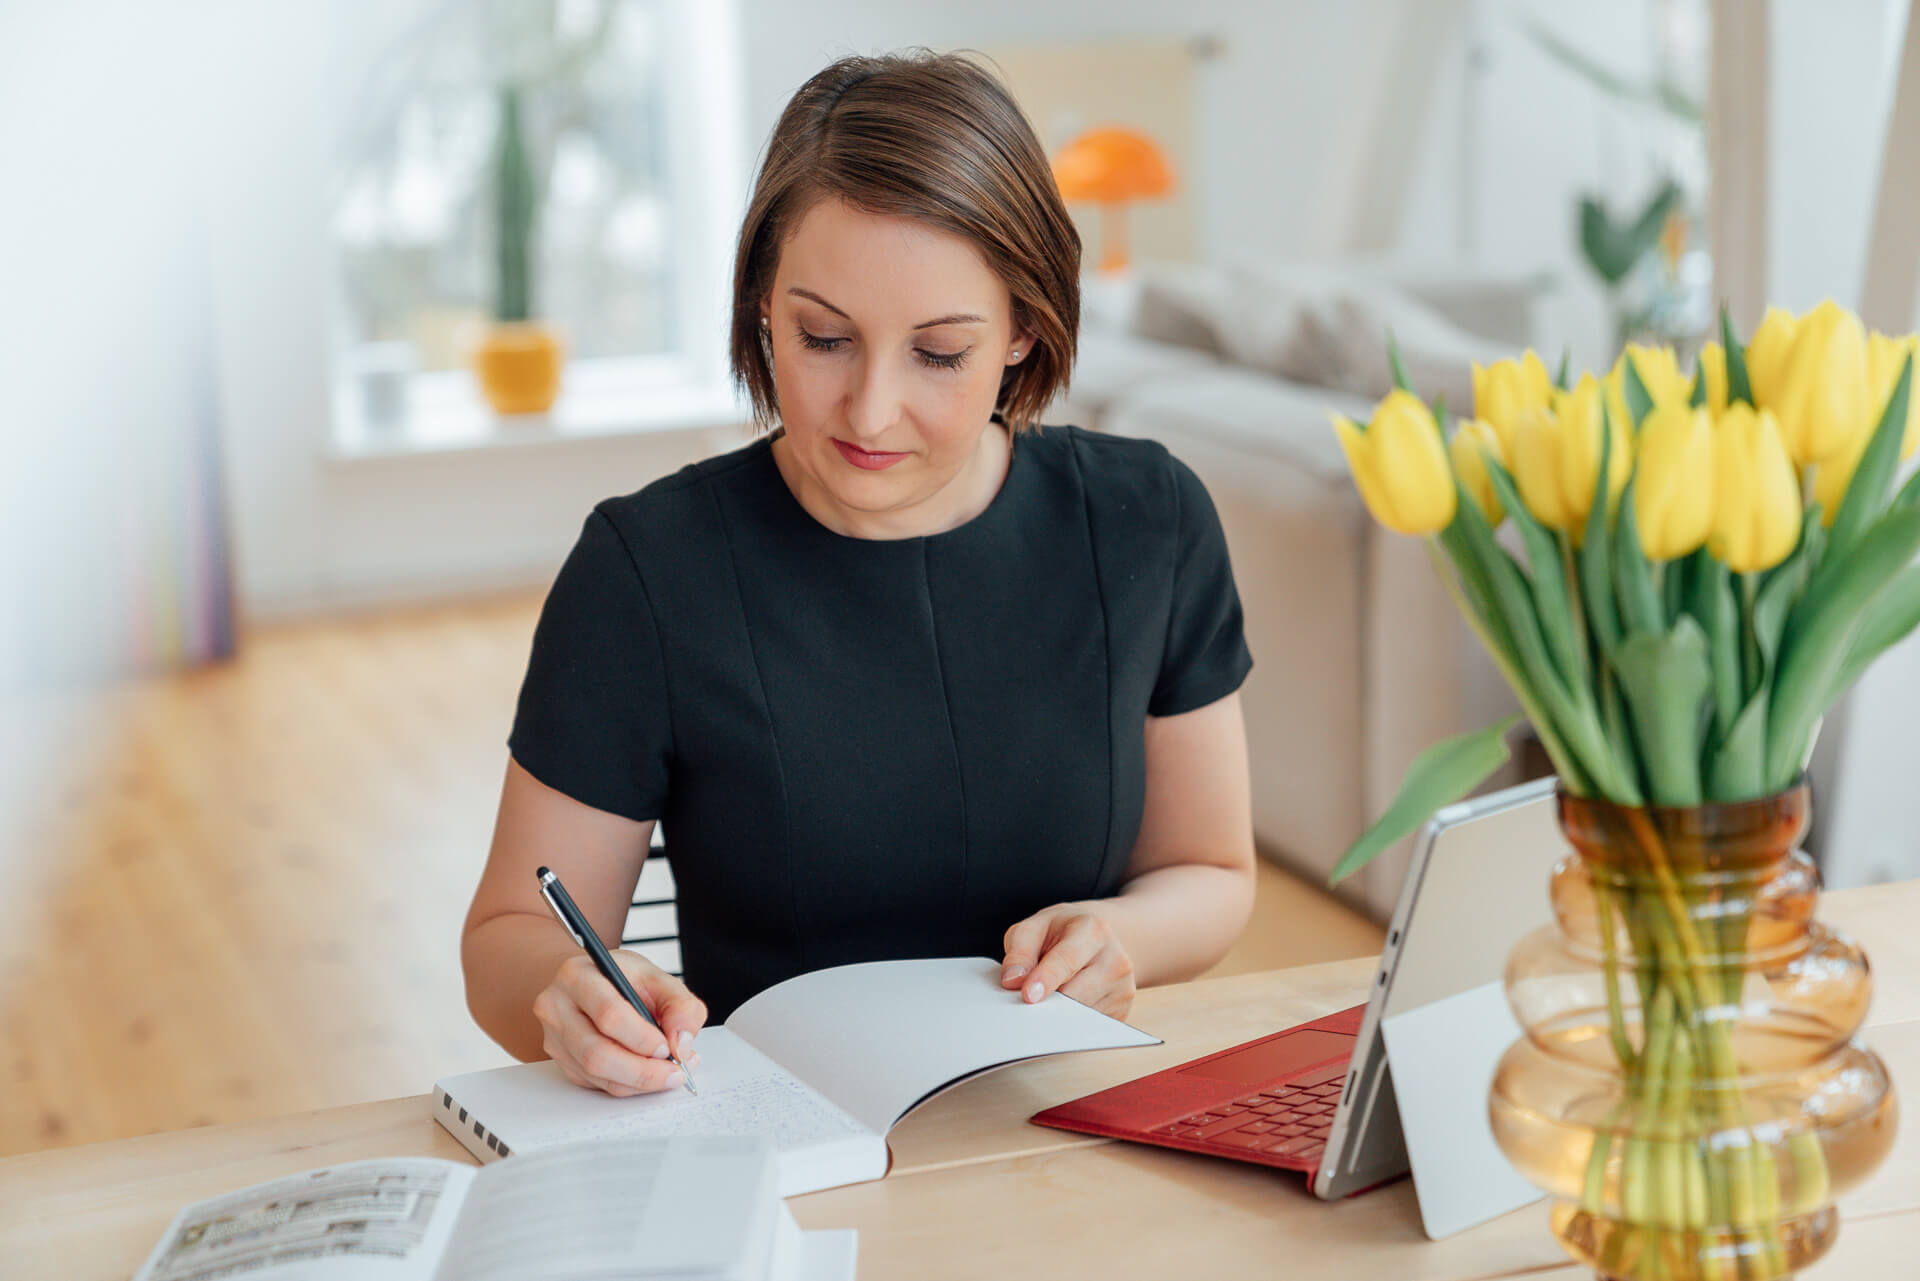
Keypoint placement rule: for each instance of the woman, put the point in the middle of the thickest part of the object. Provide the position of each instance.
(909, 677)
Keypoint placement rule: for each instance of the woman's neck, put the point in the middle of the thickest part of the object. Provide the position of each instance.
(960, 500)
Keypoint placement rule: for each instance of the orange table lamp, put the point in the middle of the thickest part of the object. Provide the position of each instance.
(1112, 166)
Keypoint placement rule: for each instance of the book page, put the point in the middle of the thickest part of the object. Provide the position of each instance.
(679, 1207)
(529, 1106)
(876, 1039)
(387, 1218)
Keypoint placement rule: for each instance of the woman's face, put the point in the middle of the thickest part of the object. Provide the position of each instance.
(889, 338)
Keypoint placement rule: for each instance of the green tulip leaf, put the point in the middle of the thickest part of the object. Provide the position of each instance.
(1894, 613)
(1820, 634)
(1439, 776)
(1639, 399)
(1738, 768)
(1549, 703)
(1739, 387)
(1596, 582)
(1398, 367)
(1551, 599)
(1666, 676)
(1697, 395)
(1675, 580)
(1566, 359)
(1719, 617)
(1469, 542)
(1640, 607)
(1866, 495)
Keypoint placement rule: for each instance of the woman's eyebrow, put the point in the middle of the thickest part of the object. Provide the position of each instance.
(957, 318)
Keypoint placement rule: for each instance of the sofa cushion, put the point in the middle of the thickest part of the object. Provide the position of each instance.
(1245, 411)
(1109, 365)
(1322, 326)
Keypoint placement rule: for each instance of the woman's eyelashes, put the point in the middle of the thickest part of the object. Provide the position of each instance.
(931, 359)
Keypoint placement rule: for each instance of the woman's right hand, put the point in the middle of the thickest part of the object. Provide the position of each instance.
(603, 1043)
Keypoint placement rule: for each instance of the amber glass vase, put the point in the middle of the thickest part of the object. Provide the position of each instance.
(1689, 1090)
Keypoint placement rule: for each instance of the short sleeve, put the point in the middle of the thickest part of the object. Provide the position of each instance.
(592, 720)
(1206, 656)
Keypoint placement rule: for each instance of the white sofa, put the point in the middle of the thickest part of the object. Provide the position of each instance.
(1360, 658)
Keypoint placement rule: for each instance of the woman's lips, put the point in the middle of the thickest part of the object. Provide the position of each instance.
(861, 458)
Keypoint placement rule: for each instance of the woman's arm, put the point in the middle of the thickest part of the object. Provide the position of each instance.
(529, 986)
(1189, 883)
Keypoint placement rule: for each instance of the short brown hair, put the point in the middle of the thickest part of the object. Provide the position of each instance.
(936, 138)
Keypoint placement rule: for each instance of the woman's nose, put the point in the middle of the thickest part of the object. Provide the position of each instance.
(875, 402)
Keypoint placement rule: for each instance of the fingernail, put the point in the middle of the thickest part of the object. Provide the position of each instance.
(677, 1080)
(685, 1045)
(660, 1050)
(1035, 991)
(1013, 972)
(692, 1060)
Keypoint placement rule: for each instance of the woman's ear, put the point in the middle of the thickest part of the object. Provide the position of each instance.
(1020, 348)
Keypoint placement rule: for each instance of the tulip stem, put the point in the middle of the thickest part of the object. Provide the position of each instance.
(1574, 598)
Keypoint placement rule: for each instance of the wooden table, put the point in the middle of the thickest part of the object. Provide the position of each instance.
(977, 1191)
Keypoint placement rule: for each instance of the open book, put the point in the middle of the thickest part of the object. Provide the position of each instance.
(686, 1209)
(825, 1064)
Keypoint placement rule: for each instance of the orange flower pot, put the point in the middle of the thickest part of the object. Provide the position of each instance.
(519, 366)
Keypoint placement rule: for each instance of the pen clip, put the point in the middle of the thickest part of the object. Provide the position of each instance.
(546, 892)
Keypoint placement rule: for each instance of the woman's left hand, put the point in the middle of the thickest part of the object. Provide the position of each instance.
(1069, 948)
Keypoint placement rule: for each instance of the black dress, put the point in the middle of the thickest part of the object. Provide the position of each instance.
(864, 749)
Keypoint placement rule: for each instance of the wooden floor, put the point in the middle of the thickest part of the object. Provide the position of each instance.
(247, 898)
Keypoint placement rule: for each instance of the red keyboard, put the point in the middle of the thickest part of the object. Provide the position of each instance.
(1290, 1120)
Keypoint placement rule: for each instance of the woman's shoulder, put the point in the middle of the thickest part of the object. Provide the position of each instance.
(679, 506)
(1136, 475)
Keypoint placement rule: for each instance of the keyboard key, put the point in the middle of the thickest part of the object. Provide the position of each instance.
(1288, 1131)
(1219, 1127)
(1241, 1139)
(1257, 1127)
(1252, 1100)
(1291, 1147)
(1310, 1153)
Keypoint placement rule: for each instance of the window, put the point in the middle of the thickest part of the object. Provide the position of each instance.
(628, 112)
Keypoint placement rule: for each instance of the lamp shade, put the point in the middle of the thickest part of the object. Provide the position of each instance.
(1111, 165)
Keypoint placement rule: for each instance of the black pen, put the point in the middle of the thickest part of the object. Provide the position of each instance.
(576, 924)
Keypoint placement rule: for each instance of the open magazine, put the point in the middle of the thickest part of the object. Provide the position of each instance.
(686, 1209)
(825, 1064)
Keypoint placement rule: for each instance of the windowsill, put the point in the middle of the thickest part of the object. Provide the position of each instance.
(445, 413)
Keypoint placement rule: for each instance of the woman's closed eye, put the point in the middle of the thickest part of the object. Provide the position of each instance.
(932, 359)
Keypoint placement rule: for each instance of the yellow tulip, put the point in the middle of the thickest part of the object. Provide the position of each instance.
(1833, 477)
(1756, 512)
(1713, 359)
(1473, 445)
(1659, 372)
(1538, 445)
(1556, 457)
(1884, 358)
(1820, 398)
(1400, 465)
(1768, 352)
(1673, 482)
(1508, 388)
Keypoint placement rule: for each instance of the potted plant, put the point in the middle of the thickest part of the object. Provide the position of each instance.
(519, 359)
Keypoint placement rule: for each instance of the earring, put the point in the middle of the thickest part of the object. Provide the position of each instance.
(1016, 353)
